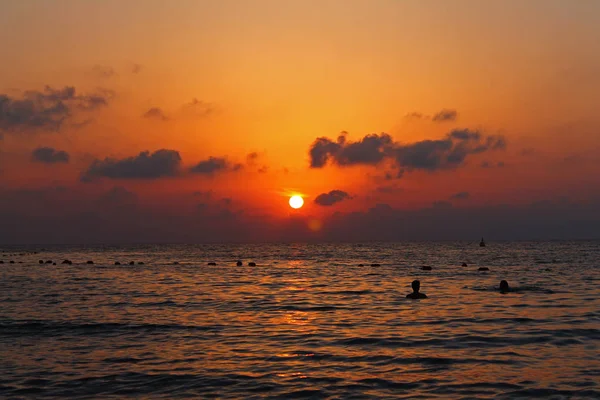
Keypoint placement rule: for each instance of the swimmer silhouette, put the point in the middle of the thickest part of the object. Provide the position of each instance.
(504, 287)
(416, 286)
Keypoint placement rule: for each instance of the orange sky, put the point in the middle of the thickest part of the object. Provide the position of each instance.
(270, 77)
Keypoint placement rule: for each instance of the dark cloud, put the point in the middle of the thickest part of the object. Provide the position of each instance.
(155, 113)
(320, 151)
(118, 196)
(329, 199)
(389, 189)
(251, 158)
(429, 155)
(59, 215)
(445, 115)
(104, 71)
(460, 195)
(48, 155)
(47, 109)
(161, 163)
(210, 166)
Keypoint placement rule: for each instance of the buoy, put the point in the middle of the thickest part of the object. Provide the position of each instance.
(483, 269)
(239, 263)
(252, 264)
(212, 264)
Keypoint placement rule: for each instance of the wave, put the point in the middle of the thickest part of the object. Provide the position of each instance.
(57, 328)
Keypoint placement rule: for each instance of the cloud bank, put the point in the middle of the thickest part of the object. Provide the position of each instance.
(146, 165)
(46, 110)
(48, 155)
(428, 155)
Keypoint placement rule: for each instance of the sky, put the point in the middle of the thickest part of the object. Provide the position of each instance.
(196, 120)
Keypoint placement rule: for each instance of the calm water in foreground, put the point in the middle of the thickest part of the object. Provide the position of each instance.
(306, 322)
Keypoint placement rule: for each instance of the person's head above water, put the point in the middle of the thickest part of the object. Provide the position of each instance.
(416, 286)
(504, 286)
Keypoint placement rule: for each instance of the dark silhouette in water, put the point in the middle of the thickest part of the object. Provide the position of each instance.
(416, 286)
(464, 265)
(212, 264)
(482, 243)
(239, 263)
(426, 268)
(252, 264)
(117, 263)
(483, 269)
(131, 263)
(504, 287)
(375, 265)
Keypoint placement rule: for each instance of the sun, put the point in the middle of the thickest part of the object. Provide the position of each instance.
(296, 201)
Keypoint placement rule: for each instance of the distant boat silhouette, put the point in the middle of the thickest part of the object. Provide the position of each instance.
(482, 243)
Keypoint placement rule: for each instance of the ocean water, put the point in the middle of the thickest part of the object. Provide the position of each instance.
(306, 322)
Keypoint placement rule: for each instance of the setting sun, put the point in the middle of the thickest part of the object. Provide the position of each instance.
(296, 202)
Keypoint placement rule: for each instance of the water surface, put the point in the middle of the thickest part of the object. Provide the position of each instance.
(306, 322)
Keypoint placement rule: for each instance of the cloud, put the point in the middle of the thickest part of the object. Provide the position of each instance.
(428, 155)
(460, 196)
(251, 158)
(441, 204)
(329, 199)
(47, 109)
(415, 115)
(389, 189)
(48, 155)
(103, 71)
(445, 115)
(528, 151)
(198, 108)
(159, 164)
(155, 113)
(210, 166)
(490, 164)
(118, 196)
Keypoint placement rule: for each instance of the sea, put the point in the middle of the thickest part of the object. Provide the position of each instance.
(316, 321)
